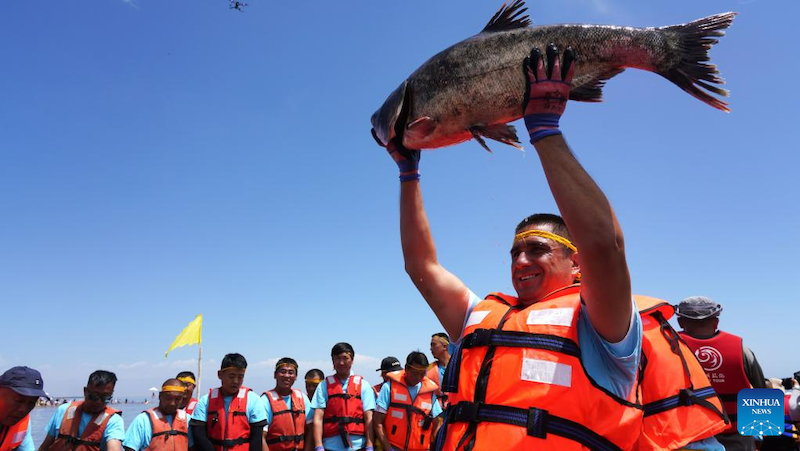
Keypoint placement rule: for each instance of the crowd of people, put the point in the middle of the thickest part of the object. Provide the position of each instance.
(573, 361)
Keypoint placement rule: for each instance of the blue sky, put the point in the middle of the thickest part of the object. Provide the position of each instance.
(163, 159)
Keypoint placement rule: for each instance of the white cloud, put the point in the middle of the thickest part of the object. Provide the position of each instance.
(131, 3)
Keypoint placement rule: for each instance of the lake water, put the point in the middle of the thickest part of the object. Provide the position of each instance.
(40, 416)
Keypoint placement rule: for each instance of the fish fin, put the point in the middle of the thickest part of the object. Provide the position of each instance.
(592, 91)
(419, 128)
(480, 140)
(693, 73)
(503, 133)
(508, 18)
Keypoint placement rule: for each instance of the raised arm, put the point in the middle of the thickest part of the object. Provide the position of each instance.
(447, 296)
(605, 283)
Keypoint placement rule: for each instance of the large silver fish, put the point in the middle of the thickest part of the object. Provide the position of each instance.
(476, 87)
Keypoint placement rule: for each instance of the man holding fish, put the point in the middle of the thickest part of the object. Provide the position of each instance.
(554, 367)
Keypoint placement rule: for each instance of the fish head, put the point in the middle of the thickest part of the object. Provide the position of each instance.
(389, 120)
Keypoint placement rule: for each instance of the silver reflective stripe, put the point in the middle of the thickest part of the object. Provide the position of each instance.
(181, 414)
(242, 392)
(215, 393)
(331, 379)
(101, 418)
(71, 412)
(273, 394)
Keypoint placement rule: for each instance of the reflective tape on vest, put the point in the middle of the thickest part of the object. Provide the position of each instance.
(476, 318)
(551, 317)
(554, 373)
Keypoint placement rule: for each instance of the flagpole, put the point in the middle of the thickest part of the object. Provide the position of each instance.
(199, 367)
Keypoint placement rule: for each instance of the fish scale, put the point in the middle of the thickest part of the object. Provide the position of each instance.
(476, 87)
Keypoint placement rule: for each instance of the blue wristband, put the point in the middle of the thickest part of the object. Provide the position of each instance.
(409, 176)
(319, 448)
(542, 125)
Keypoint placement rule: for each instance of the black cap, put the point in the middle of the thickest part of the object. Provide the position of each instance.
(25, 381)
(390, 364)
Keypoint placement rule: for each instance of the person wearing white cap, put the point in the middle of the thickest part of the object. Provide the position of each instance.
(20, 389)
(729, 364)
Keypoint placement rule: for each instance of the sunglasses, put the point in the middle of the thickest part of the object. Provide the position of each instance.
(96, 397)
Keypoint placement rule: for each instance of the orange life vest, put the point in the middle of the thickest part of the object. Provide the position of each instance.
(520, 383)
(680, 405)
(92, 436)
(722, 359)
(433, 374)
(408, 423)
(190, 407)
(166, 436)
(228, 430)
(13, 436)
(344, 414)
(287, 429)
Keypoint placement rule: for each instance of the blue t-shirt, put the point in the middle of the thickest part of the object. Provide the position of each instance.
(320, 401)
(612, 365)
(140, 432)
(385, 397)
(288, 400)
(115, 428)
(255, 408)
(27, 442)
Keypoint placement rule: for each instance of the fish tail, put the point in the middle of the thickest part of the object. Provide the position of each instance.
(693, 73)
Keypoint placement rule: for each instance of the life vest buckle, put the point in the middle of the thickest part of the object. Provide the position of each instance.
(686, 397)
(466, 412)
(479, 337)
(537, 423)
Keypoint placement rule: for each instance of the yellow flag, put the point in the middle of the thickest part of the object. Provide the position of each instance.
(191, 335)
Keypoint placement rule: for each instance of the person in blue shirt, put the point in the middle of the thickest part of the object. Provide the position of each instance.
(98, 392)
(342, 355)
(413, 377)
(207, 424)
(285, 377)
(20, 390)
(140, 431)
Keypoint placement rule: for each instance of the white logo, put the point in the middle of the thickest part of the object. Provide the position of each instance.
(709, 358)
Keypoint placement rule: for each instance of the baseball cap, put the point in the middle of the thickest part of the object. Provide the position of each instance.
(25, 381)
(698, 307)
(390, 364)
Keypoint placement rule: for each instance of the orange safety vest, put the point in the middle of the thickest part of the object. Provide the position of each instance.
(176, 435)
(520, 383)
(228, 430)
(287, 430)
(92, 436)
(13, 436)
(680, 405)
(408, 423)
(344, 414)
(433, 374)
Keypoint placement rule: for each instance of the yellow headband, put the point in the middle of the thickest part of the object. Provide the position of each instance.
(233, 368)
(188, 380)
(286, 364)
(443, 340)
(543, 234)
(312, 379)
(173, 388)
(417, 368)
